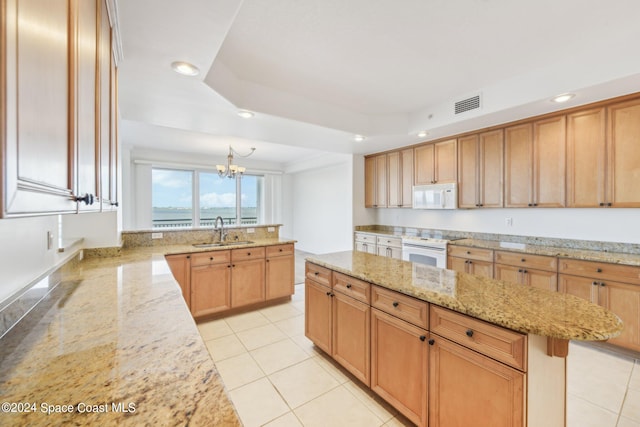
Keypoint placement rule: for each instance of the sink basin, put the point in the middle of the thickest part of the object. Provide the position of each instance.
(213, 245)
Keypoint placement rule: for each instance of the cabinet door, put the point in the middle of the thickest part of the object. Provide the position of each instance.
(457, 264)
(394, 177)
(247, 282)
(540, 279)
(508, 273)
(549, 169)
(37, 145)
(280, 276)
(481, 268)
(104, 104)
(582, 287)
(317, 314)
(491, 173)
(180, 266)
(468, 169)
(445, 161)
(86, 143)
(469, 389)
(406, 173)
(210, 289)
(399, 365)
(350, 341)
(624, 300)
(624, 154)
(586, 158)
(369, 182)
(381, 182)
(423, 164)
(518, 161)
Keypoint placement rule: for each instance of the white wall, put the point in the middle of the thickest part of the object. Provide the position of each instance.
(610, 225)
(322, 208)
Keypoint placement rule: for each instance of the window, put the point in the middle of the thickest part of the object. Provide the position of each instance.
(192, 198)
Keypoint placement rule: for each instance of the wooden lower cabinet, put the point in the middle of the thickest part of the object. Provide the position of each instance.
(350, 338)
(210, 289)
(469, 389)
(248, 278)
(318, 319)
(280, 271)
(399, 365)
(536, 278)
(462, 265)
(180, 266)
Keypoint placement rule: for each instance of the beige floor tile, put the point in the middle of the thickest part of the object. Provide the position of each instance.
(598, 377)
(225, 347)
(300, 383)
(374, 403)
(306, 344)
(239, 370)
(292, 326)
(581, 413)
(258, 403)
(242, 322)
(336, 408)
(631, 406)
(280, 312)
(399, 421)
(214, 329)
(626, 422)
(287, 420)
(261, 336)
(299, 305)
(634, 383)
(279, 355)
(336, 371)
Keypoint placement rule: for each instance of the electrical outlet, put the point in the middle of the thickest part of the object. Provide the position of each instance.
(508, 222)
(49, 240)
(251, 230)
(156, 235)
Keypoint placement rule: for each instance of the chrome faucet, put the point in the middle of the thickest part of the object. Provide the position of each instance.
(215, 225)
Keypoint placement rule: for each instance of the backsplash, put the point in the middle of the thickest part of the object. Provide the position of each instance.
(625, 248)
(176, 237)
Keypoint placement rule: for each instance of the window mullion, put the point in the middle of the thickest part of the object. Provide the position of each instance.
(195, 200)
(238, 200)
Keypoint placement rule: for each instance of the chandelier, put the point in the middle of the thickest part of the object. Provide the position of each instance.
(231, 170)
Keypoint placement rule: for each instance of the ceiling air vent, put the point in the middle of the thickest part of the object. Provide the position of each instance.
(467, 104)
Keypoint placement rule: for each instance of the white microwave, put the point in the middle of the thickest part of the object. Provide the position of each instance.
(435, 196)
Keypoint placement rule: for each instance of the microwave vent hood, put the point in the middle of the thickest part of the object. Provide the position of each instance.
(435, 196)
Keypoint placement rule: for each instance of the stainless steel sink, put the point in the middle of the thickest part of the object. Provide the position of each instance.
(218, 244)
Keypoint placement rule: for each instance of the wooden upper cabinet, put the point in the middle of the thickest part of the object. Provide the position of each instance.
(381, 181)
(480, 170)
(104, 105)
(375, 181)
(436, 162)
(369, 182)
(37, 134)
(586, 158)
(623, 138)
(549, 157)
(535, 163)
(400, 178)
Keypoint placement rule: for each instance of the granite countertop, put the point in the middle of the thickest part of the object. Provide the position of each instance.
(189, 248)
(520, 308)
(114, 335)
(582, 254)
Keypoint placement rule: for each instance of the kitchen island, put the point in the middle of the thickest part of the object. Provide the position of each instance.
(460, 348)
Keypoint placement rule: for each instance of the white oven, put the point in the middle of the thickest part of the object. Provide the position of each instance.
(425, 251)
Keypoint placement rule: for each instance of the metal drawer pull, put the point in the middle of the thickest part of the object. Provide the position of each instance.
(396, 303)
(469, 333)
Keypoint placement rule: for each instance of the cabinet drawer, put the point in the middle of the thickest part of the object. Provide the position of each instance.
(494, 341)
(601, 270)
(318, 274)
(365, 238)
(279, 250)
(540, 262)
(471, 253)
(247, 253)
(355, 288)
(212, 257)
(389, 241)
(402, 306)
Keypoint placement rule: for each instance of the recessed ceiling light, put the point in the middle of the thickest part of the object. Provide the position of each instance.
(185, 68)
(245, 114)
(563, 98)
(423, 133)
(359, 138)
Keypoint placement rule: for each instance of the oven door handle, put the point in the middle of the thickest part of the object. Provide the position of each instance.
(432, 248)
